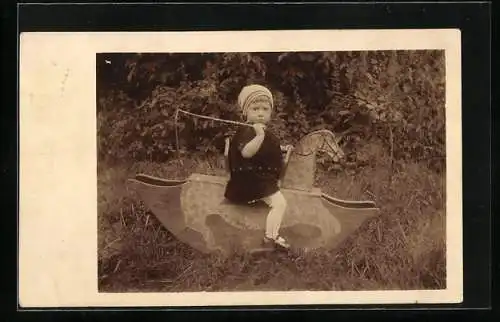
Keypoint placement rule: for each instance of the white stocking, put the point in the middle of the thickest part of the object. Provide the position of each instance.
(277, 202)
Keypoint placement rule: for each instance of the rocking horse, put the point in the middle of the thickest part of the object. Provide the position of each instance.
(196, 212)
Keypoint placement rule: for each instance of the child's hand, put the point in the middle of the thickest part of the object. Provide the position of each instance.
(259, 129)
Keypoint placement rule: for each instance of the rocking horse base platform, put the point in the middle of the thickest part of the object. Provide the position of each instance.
(196, 212)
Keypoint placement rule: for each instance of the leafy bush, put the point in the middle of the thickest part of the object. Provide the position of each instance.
(393, 97)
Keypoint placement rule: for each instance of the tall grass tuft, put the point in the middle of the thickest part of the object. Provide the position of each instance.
(403, 248)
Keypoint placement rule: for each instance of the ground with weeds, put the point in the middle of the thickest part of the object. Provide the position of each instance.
(403, 248)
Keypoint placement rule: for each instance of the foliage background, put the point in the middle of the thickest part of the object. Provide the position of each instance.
(395, 98)
(389, 108)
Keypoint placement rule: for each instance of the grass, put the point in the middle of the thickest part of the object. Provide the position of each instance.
(403, 248)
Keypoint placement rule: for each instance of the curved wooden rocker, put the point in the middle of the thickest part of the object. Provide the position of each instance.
(196, 212)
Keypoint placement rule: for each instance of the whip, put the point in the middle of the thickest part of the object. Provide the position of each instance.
(200, 116)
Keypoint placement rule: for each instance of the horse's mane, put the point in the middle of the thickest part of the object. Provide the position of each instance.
(325, 131)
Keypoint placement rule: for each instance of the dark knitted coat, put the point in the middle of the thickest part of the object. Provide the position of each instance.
(256, 177)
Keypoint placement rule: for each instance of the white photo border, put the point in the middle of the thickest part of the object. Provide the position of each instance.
(58, 161)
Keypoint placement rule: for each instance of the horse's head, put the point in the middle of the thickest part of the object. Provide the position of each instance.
(302, 163)
(321, 140)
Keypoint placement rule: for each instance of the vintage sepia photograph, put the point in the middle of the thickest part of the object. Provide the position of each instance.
(240, 168)
(271, 171)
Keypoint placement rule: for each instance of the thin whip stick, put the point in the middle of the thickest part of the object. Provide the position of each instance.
(177, 136)
(213, 118)
(230, 122)
(200, 116)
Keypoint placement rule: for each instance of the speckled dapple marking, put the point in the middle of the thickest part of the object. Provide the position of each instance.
(196, 212)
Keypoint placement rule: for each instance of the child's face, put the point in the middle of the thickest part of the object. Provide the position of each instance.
(259, 111)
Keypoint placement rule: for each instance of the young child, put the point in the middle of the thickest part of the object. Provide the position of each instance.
(256, 162)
